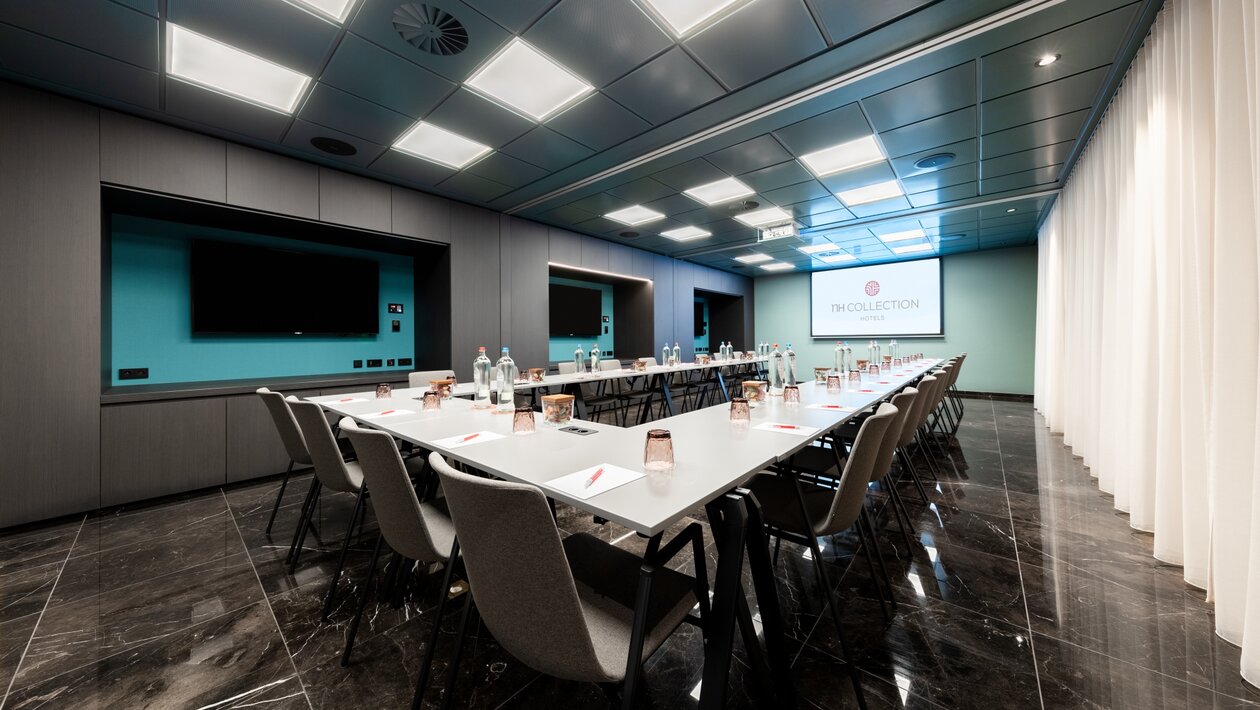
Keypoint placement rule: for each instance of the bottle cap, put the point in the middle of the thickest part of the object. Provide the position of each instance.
(481, 349)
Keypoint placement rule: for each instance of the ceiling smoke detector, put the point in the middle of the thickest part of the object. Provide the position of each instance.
(430, 29)
(744, 206)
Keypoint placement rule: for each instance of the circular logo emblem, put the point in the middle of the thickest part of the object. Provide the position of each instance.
(872, 288)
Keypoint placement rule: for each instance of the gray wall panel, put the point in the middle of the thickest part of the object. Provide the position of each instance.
(663, 295)
(525, 245)
(354, 201)
(253, 444)
(50, 328)
(419, 215)
(272, 183)
(565, 247)
(150, 155)
(621, 259)
(475, 293)
(594, 254)
(159, 448)
(684, 312)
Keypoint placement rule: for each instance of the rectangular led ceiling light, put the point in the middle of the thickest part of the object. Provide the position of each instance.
(816, 248)
(846, 156)
(715, 193)
(754, 258)
(335, 10)
(438, 145)
(770, 215)
(776, 266)
(684, 17)
(838, 258)
(912, 248)
(635, 214)
(870, 193)
(227, 70)
(528, 81)
(902, 236)
(683, 234)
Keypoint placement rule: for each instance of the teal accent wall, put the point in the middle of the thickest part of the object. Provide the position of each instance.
(561, 349)
(990, 312)
(151, 314)
(702, 342)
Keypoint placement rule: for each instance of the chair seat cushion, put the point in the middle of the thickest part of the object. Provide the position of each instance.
(781, 508)
(607, 581)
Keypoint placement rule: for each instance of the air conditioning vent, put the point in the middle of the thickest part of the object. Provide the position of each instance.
(430, 29)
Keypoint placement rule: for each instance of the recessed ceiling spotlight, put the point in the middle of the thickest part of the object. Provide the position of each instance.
(845, 156)
(213, 65)
(777, 266)
(635, 214)
(870, 193)
(837, 258)
(816, 248)
(770, 215)
(690, 16)
(934, 161)
(335, 10)
(333, 146)
(719, 191)
(528, 81)
(1010, 210)
(438, 145)
(1046, 60)
(902, 236)
(754, 258)
(683, 234)
(912, 248)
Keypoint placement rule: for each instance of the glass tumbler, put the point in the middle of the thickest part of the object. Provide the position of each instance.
(523, 421)
(820, 374)
(658, 451)
(873, 369)
(791, 394)
(740, 414)
(384, 391)
(855, 375)
(431, 401)
(833, 384)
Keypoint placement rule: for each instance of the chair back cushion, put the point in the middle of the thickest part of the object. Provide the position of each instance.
(519, 574)
(330, 467)
(904, 402)
(286, 425)
(922, 407)
(423, 378)
(847, 503)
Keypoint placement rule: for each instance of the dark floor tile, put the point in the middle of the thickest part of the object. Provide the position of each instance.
(251, 498)
(14, 636)
(824, 682)
(125, 526)
(975, 581)
(945, 524)
(26, 591)
(36, 547)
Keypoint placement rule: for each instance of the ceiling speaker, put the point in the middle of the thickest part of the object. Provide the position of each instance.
(333, 146)
(430, 29)
(744, 206)
(934, 161)
(629, 235)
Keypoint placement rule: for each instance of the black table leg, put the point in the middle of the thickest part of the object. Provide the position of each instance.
(726, 396)
(768, 603)
(669, 399)
(728, 519)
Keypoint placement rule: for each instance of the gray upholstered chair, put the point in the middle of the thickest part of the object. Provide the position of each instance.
(290, 436)
(424, 377)
(414, 530)
(935, 407)
(910, 434)
(565, 607)
(593, 397)
(802, 512)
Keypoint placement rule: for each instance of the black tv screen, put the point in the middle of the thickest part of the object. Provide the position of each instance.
(575, 311)
(243, 289)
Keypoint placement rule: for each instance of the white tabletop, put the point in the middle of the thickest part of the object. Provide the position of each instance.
(465, 389)
(711, 455)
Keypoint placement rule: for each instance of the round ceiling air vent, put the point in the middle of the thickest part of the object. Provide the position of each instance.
(334, 146)
(744, 206)
(430, 29)
(934, 161)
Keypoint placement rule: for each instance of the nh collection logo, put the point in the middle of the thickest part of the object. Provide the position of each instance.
(872, 288)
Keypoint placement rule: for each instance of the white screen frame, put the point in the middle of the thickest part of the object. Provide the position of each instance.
(940, 271)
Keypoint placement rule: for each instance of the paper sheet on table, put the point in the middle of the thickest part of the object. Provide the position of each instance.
(388, 413)
(469, 439)
(830, 407)
(787, 428)
(612, 477)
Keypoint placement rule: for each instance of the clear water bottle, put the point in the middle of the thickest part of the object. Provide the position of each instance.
(676, 355)
(838, 361)
(595, 357)
(726, 350)
(579, 360)
(483, 376)
(665, 354)
(506, 379)
(848, 356)
(789, 369)
(892, 348)
(776, 371)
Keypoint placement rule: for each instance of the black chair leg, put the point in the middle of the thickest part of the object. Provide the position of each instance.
(899, 511)
(422, 682)
(363, 601)
(865, 519)
(824, 581)
(452, 673)
(305, 525)
(908, 465)
(280, 496)
(345, 547)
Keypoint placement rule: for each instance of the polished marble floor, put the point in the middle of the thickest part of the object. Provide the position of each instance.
(1023, 589)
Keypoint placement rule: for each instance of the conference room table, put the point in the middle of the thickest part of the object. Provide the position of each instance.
(713, 458)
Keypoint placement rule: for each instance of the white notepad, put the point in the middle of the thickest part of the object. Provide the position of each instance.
(782, 428)
(470, 439)
(830, 407)
(388, 413)
(574, 484)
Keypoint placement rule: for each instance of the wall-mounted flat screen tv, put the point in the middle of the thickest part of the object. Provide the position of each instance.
(240, 289)
(574, 311)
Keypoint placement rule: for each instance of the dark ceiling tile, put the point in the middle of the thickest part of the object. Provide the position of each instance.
(506, 170)
(514, 15)
(871, 209)
(964, 152)
(924, 98)
(941, 130)
(214, 109)
(1045, 101)
(1015, 181)
(850, 179)
(546, 149)
(480, 119)
(330, 107)
(1027, 159)
(600, 225)
(599, 204)
(276, 31)
(825, 130)
(672, 204)
(642, 190)
(470, 187)
(786, 173)
(599, 40)
(410, 169)
(666, 87)
(1033, 135)
(102, 27)
(690, 174)
(148, 7)
(943, 194)
(374, 21)
(845, 19)
(760, 39)
(800, 192)
(300, 134)
(937, 179)
(759, 152)
(598, 122)
(365, 70)
(566, 214)
(44, 59)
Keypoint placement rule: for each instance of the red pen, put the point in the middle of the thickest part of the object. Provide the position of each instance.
(594, 477)
(786, 426)
(470, 437)
(387, 411)
(347, 399)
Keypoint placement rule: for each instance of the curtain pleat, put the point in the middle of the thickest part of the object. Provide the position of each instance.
(1148, 313)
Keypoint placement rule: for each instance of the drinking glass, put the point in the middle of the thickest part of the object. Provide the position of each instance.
(833, 384)
(754, 392)
(536, 374)
(384, 391)
(640, 366)
(431, 401)
(740, 413)
(861, 365)
(523, 421)
(897, 362)
(855, 375)
(658, 451)
(820, 374)
(791, 394)
(442, 387)
(873, 369)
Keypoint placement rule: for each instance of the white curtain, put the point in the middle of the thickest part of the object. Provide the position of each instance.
(1148, 311)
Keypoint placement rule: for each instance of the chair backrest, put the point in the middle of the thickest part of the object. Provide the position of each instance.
(566, 368)
(955, 371)
(330, 467)
(286, 425)
(904, 401)
(939, 393)
(923, 406)
(393, 497)
(609, 364)
(847, 503)
(651, 361)
(423, 378)
(518, 572)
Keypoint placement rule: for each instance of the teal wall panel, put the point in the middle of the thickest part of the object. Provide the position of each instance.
(990, 312)
(702, 341)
